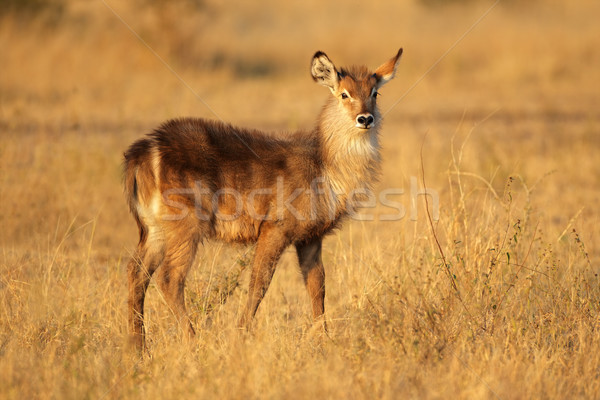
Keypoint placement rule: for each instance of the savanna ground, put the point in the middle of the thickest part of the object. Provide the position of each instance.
(499, 298)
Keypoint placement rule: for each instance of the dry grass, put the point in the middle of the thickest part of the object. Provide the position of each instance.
(498, 299)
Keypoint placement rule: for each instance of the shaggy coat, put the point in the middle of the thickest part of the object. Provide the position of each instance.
(195, 179)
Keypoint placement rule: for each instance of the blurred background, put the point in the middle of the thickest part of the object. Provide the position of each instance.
(81, 79)
(75, 63)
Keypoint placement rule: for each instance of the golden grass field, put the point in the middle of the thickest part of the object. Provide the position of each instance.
(499, 298)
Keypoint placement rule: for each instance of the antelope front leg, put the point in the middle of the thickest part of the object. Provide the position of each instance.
(269, 247)
(311, 265)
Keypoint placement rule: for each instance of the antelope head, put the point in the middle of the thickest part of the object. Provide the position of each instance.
(355, 88)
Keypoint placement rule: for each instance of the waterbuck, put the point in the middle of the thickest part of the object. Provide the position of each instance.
(195, 179)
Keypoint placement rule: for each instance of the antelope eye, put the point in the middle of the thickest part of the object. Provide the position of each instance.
(344, 96)
(375, 95)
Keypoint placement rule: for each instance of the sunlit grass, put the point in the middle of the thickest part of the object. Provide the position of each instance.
(499, 298)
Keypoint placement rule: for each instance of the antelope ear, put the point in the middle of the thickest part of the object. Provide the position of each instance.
(323, 71)
(387, 70)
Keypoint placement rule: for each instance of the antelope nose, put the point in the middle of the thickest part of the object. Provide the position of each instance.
(364, 121)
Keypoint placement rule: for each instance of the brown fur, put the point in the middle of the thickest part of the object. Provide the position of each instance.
(195, 179)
